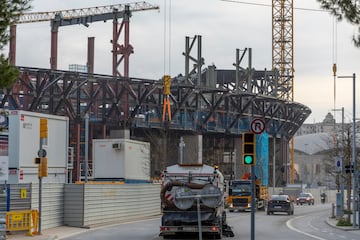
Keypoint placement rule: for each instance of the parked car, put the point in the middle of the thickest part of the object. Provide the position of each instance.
(280, 203)
(305, 198)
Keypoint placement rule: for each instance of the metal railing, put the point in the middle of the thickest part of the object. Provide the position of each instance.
(26, 220)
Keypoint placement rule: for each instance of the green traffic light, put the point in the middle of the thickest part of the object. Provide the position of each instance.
(248, 159)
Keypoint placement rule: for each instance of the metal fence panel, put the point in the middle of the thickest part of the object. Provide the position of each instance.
(3, 211)
(74, 205)
(111, 203)
(52, 204)
(20, 196)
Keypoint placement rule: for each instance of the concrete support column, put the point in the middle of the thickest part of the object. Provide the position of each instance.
(193, 149)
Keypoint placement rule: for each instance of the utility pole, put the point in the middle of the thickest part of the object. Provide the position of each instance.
(341, 162)
(353, 154)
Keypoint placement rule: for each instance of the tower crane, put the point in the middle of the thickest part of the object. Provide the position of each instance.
(85, 16)
(282, 46)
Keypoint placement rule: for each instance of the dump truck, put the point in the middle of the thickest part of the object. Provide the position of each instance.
(192, 202)
(239, 196)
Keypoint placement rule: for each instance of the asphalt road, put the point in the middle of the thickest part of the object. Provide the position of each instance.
(307, 223)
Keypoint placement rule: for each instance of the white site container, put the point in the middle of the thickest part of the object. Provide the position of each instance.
(24, 144)
(123, 159)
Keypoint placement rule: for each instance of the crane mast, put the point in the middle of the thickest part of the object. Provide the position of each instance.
(283, 55)
(282, 46)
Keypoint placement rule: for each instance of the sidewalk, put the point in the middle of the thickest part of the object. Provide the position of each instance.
(333, 221)
(49, 234)
(62, 232)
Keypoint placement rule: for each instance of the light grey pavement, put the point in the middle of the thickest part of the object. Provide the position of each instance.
(62, 232)
(333, 221)
(49, 234)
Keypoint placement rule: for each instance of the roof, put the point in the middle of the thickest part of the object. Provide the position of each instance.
(313, 143)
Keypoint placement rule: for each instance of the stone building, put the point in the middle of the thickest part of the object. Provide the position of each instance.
(316, 147)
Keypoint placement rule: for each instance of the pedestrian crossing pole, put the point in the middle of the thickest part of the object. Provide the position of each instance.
(42, 163)
(253, 207)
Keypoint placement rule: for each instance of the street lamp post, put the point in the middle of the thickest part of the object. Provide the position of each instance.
(353, 157)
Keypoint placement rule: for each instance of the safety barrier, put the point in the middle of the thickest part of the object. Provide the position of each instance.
(25, 220)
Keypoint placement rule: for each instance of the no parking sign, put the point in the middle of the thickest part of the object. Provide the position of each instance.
(257, 125)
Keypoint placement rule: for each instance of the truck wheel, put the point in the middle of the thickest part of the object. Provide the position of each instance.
(217, 236)
(223, 219)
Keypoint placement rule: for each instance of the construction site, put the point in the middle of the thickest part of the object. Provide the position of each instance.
(208, 107)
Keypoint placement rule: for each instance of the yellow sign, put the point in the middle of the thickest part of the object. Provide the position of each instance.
(17, 217)
(43, 167)
(43, 128)
(23, 193)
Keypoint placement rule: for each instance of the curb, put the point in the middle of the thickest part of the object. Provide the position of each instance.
(332, 223)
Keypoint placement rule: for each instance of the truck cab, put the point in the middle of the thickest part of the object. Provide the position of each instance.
(240, 195)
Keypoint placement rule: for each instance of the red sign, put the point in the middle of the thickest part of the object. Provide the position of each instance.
(257, 125)
(21, 175)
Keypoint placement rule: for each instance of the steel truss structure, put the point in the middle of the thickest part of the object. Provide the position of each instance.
(194, 108)
(204, 101)
(76, 94)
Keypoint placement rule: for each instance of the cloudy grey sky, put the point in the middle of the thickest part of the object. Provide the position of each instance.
(224, 26)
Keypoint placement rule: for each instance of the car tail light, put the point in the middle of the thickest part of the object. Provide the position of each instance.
(214, 228)
(164, 229)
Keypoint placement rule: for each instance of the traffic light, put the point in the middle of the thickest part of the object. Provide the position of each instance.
(249, 149)
(349, 168)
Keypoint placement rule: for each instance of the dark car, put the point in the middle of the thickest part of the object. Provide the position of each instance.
(280, 203)
(305, 198)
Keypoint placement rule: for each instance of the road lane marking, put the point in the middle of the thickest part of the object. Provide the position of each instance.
(288, 224)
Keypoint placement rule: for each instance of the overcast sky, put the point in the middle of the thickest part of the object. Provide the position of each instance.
(224, 26)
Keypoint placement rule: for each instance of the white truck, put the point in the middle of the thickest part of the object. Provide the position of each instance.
(192, 202)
